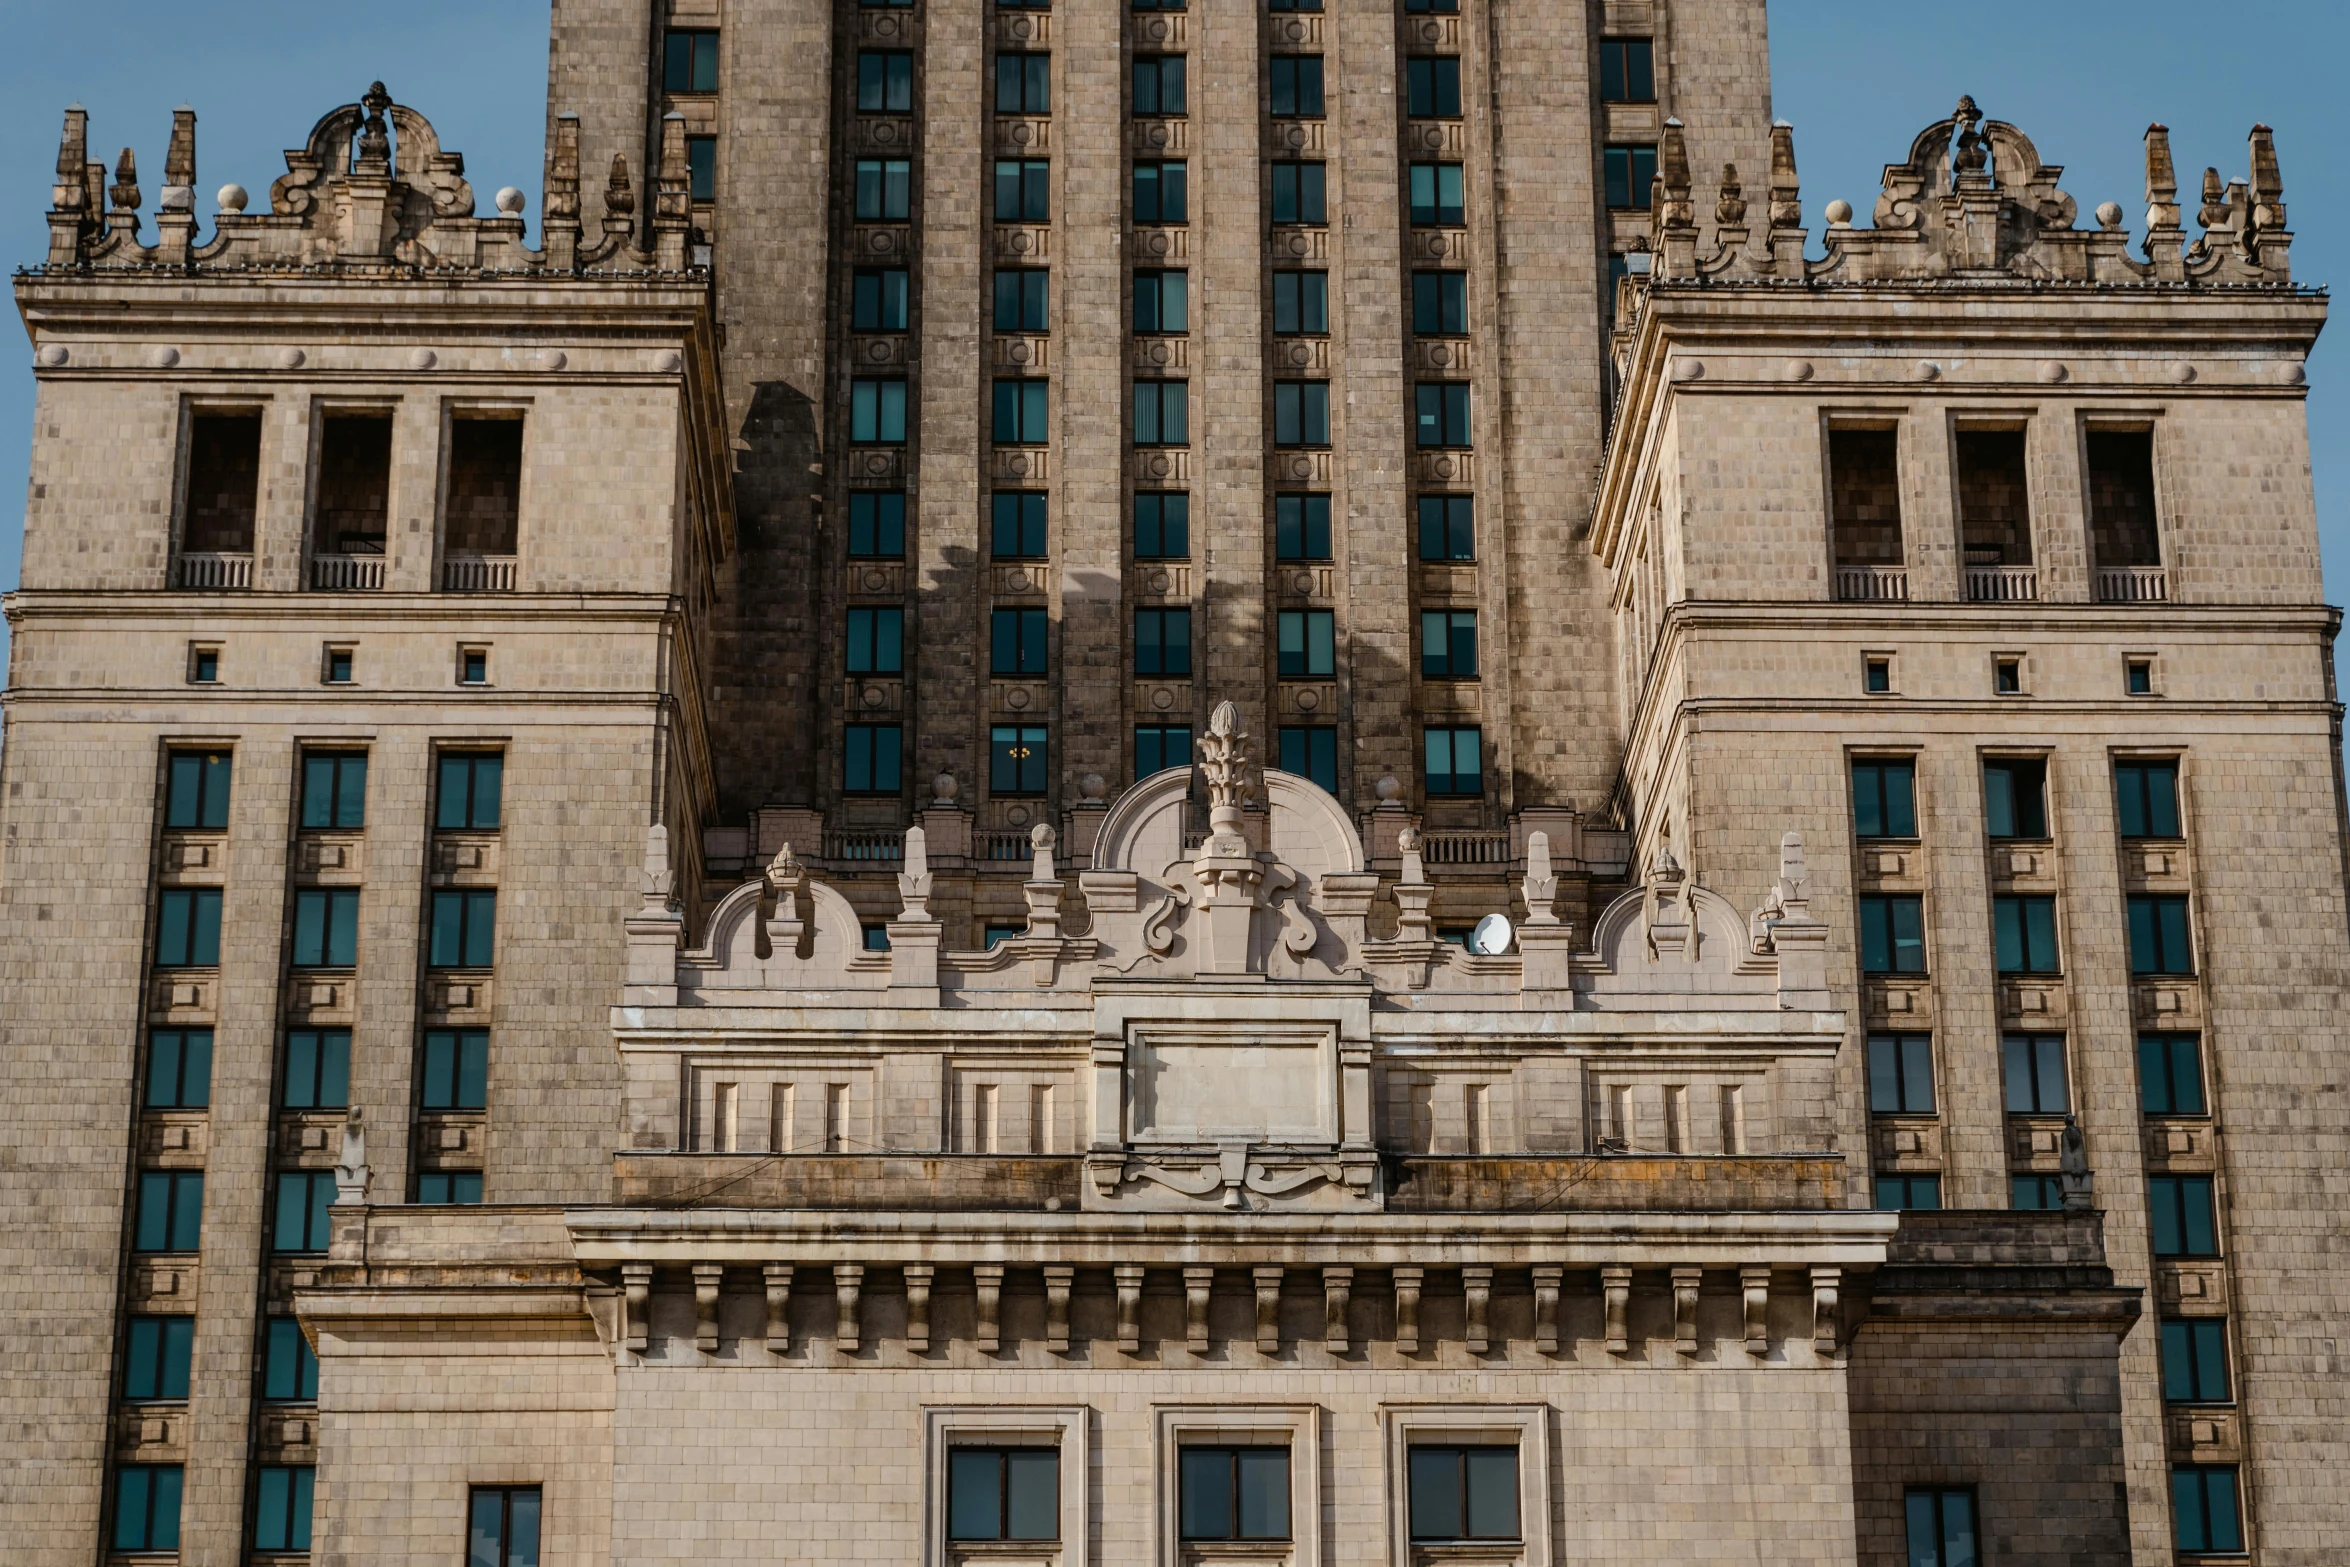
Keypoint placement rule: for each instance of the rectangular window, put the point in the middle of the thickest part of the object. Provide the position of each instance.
(443, 1188)
(1023, 84)
(2203, 1508)
(1310, 751)
(1941, 1526)
(1003, 1493)
(203, 666)
(334, 789)
(318, 1069)
(1892, 935)
(326, 927)
(179, 1069)
(877, 524)
(502, 1526)
(1884, 797)
(147, 1508)
(1994, 498)
(701, 168)
(1162, 413)
(187, 929)
(1016, 525)
(171, 1210)
(877, 411)
(1023, 297)
(1023, 190)
(2023, 932)
(1630, 173)
(1627, 70)
(1448, 644)
(885, 190)
(691, 62)
(1432, 87)
(1016, 758)
(1020, 411)
(1162, 525)
(2195, 1361)
(1448, 527)
(2159, 943)
(990, 935)
(880, 300)
(2147, 798)
(303, 1196)
(485, 485)
(1018, 642)
(1162, 301)
(870, 758)
(1897, 1192)
(1158, 84)
(2035, 1193)
(289, 1371)
(2179, 1207)
(281, 1507)
(1301, 303)
(1157, 747)
(224, 482)
(196, 790)
(1440, 304)
(354, 484)
(1234, 1493)
(1441, 414)
(1300, 193)
(2170, 1074)
(470, 786)
(1297, 86)
(1436, 194)
(1278, 7)
(1301, 527)
(2035, 1074)
(1864, 492)
(1901, 1074)
(1308, 643)
(456, 1069)
(464, 925)
(1159, 193)
(155, 1359)
(1455, 761)
(1431, 7)
(1464, 1493)
(2015, 798)
(1162, 642)
(1301, 413)
(2122, 528)
(877, 640)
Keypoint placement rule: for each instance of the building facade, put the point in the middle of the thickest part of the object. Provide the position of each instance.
(815, 862)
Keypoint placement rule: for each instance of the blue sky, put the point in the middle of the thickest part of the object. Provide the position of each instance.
(1857, 77)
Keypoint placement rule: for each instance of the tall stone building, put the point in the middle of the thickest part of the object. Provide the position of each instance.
(740, 888)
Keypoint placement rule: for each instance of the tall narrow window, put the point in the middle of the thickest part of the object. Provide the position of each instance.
(690, 61)
(1018, 642)
(1162, 413)
(187, 928)
(1233, 1493)
(1160, 192)
(1448, 644)
(1941, 1528)
(2170, 1074)
(179, 1069)
(1162, 525)
(196, 790)
(281, 1507)
(1301, 303)
(485, 485)
(1464, 1493)
(871, 756)
(326, 927)
(1023, 83)
(155, 1359)
(1884, 797)
(701, 168)
(1432, 87)
(1301, 527)
(472, 784)
(1158, 84)
(1436, 194)
(147, 1508)
(1864, 488)
(1627, 70)
(300, 1221)
(1454, 761)
(877, 640)
(879, 302)
(464, 928)
(224, 481)
(354, 484)
(1296, 82)
(1892, 935)
(1448, 527)
(318, 1069)
(171, 1211)
(1020, 407)
(1016, 759)
(2146, 798)
(289, 1371)
(2159, 940)
(885, 190)
(2195, 1361)
(1307, 644)
(1901, 1074)
(1003, 1493)
(1630, 172)
(1441, 410)
(885, 81)
(1158, 747)
(1301, 413)
(2181, 1217)
(1310, 751)
(1162, 301)
(334, 789)
(2204, 1509)
(2122, 527)
(1023, 190)
(877, 412)
(2023, 933)
(1994, 502)
(502, 1526)
(1440, 304)
(456, 1069)
(1162, 643)
(877, 524)
(2015, 797)
(1300, 193)
(1016, 525)
(2035, 1074)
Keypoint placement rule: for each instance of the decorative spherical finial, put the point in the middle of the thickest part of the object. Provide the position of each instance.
(510, 201)
(2109, 214)
(1839, 213)
(1388, 790)
(942, 789)
(232, 198)
(1093, 786)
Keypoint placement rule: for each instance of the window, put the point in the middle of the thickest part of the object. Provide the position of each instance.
(1941, 1528)
(2159, 943)
(1876, 676)
(1440, 304)
(1994, 503)
(463, 926)
(334, 788)
(1892, 935)
(2122, 531)
(289, 1371)
(1901, 1074)
(326, 927)
(1448, 527)
(1020, 411)
(1464, 1493)
(2180, 1209)
(318, 1069)
(1308, 641)
(456, 1069)
(1884, 797)
(1023, 83)
(2015, 798)
(1896, 1192)
(1162, 525)
(879, 303)
(1297, 86)
(196, 790)
(869, 758)
(224, 479)
(1003, 1493)
(469, 788)
(1432, 87)
(1630, 173)
(2147, 798)
(446, 1187)
(1310, 752)
(1018, 643)
(1301, 413)
(1442, 413)
(885, 190)
(877, 411)
(2170, 1074)
(1162, 642)
(1301, 527)
(877, 640)
(1864, 494)
(1016, 525)
(354, 484)
(179, 1069)
(1448, 644)
(701, 168)
(303, 1196)
(155, 1358)
(336, 669)
(485, 485)
(992, 934)
(1300, 193)
(2035, 1074)
(1159, 192)
(2203, 1508)
(1023, 190)
(876, 937)
(203, 666)
(2195, 1361)
(1431, 7)
(1016, 756)
(147, 1508)
(691, 64)
(502, 1527)
(1301, 303)
(187, 933)
(1280, 6)
(2035, 1193)
(1234, 1493)
(1455, 761)
(1435, 194)
(1158, 84)
(171, 1210)
(2007, 676)
(877, 524)
(2138, 676)
(1162, 301)
(2023, 932)
(281, 1508)
(1162, 413)
(1627, 70)
(1158, 747)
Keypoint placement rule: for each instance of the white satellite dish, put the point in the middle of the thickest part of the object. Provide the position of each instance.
(1491, 938)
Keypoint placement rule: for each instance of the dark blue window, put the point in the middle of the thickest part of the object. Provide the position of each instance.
(1158, 747)
(318, 1069)
(1301, 193)
(1162, 525)
(2024, 935)
(303, 1196)
(1162, 642)
(2146, 798)
(2179, 1207)
(197, 790)
(1892, 936)
(1301, 527)
(179, 1069)
(1884, 797)
(1018, 525)
(871, 755)
(334, 788)
(2170, 1074)
(281, 1508)
(326, 927)
(1455, 764)
(1019, 642)
(155, 1358)
(2204, 1509)
(147, 1508)
(2159, 943)
(877, 524)
(1311, 751)
(1016, 759)
(289, 1370)
(456, 1069)
(471, 783)
(187, 928)
(464, 927)
(171, 1210)
(1448, 527)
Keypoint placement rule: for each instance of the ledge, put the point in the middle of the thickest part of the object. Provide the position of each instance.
(1797, 1182)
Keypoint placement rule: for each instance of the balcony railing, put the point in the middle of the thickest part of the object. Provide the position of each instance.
(1008, 846)
(1465, 848)
(346, 573)
(2133, 585)
(2002, 584)
(477, 574)
(1872, 584)
(858, 845)
(215, 570)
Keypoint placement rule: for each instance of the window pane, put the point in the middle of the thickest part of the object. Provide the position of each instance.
(974, 1499)
(1264, 1493)
(1032, 1495)
(1493, 1493)
(1205, 1483)
(1437, 1508)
